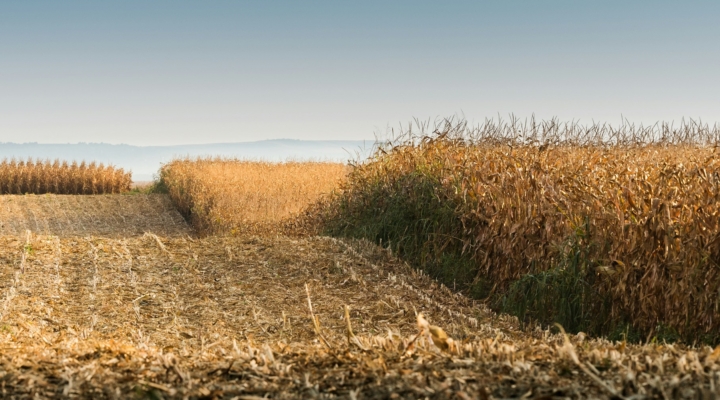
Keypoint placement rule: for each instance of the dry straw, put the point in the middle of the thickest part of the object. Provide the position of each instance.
(40, 177)
(109, 318)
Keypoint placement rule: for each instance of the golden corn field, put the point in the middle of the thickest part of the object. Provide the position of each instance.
(226, 196)
(598, 236)
(435, 269)
(40, 177)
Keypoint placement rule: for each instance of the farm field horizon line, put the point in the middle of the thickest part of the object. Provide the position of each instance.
(570, 256)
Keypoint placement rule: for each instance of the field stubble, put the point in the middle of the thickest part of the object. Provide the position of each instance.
(98, 215)
(226, 316)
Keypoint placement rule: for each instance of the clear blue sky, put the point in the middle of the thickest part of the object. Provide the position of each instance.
(179, 72)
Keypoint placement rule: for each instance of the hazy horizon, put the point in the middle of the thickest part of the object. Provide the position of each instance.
(145, 161)
(181, 72)
(186, 145)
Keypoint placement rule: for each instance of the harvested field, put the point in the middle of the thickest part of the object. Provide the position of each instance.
(151, 317)
(91, 215)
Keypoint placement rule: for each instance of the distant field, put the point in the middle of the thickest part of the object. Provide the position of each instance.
(144, 161)
(40, 177)
(99, 215)
(226, 196)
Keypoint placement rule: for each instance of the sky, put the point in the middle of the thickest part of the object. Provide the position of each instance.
(184, 72)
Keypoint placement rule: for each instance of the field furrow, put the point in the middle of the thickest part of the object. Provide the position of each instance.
(149, 316)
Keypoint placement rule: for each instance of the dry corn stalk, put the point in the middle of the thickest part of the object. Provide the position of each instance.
(40, 177)
(315, 320)
(651, 211)
(351, 338)
(435, 334)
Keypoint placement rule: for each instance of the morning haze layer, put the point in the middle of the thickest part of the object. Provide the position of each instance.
(144, 161)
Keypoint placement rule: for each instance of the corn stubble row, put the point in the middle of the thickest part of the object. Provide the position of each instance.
(40, 177)
(644, 214)
(81, 216)
(155, 317)
(231, 196)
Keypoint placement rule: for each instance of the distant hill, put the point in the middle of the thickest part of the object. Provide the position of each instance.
(144, 161)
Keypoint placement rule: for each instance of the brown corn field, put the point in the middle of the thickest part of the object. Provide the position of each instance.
(40, 177)
(640, 217)
(116, 296)
(226, 196)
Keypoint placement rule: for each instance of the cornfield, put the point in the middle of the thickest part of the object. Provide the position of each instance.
(40, 177)
(601, 229)
(229, 196)
(113, 296)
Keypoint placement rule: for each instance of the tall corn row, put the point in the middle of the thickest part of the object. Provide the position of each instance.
(652, 209)
(39, 177)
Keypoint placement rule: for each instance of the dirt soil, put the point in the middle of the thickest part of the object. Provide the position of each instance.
(149, 316)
